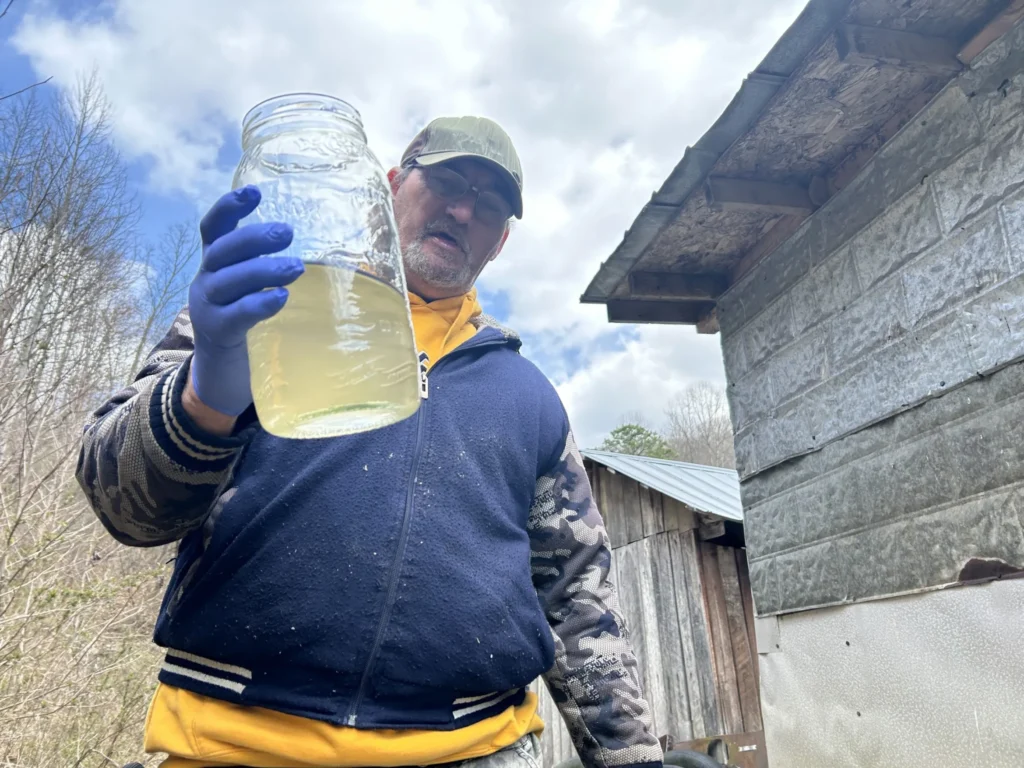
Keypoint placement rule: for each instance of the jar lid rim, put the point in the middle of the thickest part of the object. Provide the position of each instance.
(300, 100)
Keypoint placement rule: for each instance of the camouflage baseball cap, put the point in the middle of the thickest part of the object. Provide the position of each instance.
(448, 138)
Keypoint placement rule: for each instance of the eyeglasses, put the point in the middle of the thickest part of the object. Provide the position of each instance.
(490, 207)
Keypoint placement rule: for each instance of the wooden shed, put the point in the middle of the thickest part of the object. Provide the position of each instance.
(680, 568)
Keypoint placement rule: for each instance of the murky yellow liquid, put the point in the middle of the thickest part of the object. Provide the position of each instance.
(338, 359)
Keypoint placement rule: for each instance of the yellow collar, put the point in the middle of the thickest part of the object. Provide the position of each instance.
(443, 325)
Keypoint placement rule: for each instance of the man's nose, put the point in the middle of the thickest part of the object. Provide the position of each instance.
(462, 209)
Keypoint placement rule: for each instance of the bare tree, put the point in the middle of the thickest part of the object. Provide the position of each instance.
(165, 271)
(80, 301)
(699, 428)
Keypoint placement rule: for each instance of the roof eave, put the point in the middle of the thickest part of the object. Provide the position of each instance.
(815, 22)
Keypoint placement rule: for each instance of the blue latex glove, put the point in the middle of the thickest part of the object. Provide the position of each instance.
(227, 296)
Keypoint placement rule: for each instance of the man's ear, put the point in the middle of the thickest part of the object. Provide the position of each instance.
(393, 178)
(501, 243)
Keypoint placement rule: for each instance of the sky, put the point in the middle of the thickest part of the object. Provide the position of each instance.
(600, 97)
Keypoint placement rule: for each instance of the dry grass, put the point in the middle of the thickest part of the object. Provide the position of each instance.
(77, 665)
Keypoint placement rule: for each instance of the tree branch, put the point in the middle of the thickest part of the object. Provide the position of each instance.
(27, 87)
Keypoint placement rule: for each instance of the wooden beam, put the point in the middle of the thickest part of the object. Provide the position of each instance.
(673, 285)
(725, 194)
(995, 29)
(708, 325)
(711, 529)
(873, 46)
(657, 311)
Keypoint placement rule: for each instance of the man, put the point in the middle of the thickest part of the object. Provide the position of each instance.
(382, 599)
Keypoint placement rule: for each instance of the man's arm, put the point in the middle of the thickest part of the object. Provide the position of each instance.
(149, 470)
(155, 454)
(595, 680)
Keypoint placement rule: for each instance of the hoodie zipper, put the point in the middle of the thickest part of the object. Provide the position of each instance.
(403, 538)
(396, 567)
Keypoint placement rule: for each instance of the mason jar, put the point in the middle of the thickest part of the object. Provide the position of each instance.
(340, 357)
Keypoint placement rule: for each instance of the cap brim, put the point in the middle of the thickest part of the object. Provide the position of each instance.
(435, 158)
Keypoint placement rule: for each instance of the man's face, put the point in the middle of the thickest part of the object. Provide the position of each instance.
(444, 246)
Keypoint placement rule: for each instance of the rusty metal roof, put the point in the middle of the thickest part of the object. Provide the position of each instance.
(712, 490)
(844, 78)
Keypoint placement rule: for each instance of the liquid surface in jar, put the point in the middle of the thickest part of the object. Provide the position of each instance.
(337, 359)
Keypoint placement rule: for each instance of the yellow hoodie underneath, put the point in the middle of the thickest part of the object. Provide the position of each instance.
(441, 326)
(198, 731)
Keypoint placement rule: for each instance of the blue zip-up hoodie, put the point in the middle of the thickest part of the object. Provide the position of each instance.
(418, 576)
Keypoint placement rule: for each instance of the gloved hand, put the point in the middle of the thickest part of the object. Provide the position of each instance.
(227, 296)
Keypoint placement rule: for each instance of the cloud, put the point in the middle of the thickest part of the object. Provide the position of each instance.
(642, 378)
(600, 96)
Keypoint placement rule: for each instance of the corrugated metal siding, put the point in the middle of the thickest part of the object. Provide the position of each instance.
(713, 490)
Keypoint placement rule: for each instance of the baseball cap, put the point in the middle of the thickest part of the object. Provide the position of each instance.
(448, 138)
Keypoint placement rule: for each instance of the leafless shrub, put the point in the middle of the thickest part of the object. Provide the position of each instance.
(80, 304)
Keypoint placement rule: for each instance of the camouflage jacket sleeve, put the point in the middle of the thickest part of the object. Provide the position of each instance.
(149, 472)
(595, 679)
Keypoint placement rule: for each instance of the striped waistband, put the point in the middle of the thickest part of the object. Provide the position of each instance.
(231, 681)
(208, 671)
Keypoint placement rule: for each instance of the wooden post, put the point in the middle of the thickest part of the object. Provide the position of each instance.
(725, 664)
(746, 670)
(695, 635)
(746, 593)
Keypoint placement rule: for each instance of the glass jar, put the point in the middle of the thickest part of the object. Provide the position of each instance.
(340, 357)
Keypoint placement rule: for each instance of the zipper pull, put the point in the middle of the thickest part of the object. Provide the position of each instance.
(424, 386)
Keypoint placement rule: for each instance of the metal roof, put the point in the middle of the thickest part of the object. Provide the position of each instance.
(713, 490)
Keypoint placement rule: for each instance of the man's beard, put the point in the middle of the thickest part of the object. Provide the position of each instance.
(437, 270)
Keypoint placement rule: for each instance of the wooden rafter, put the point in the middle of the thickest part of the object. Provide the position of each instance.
(727, 194)
(874, 46)
(673, 285)
(646, 311)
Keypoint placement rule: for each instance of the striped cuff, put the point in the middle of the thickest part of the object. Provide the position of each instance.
(180, 438)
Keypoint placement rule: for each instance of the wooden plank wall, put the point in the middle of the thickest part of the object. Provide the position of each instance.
(633, 512)
(688, 609)
(732, 637)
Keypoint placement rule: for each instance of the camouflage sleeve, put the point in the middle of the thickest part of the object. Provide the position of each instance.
(595, 679)
(149, 472)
